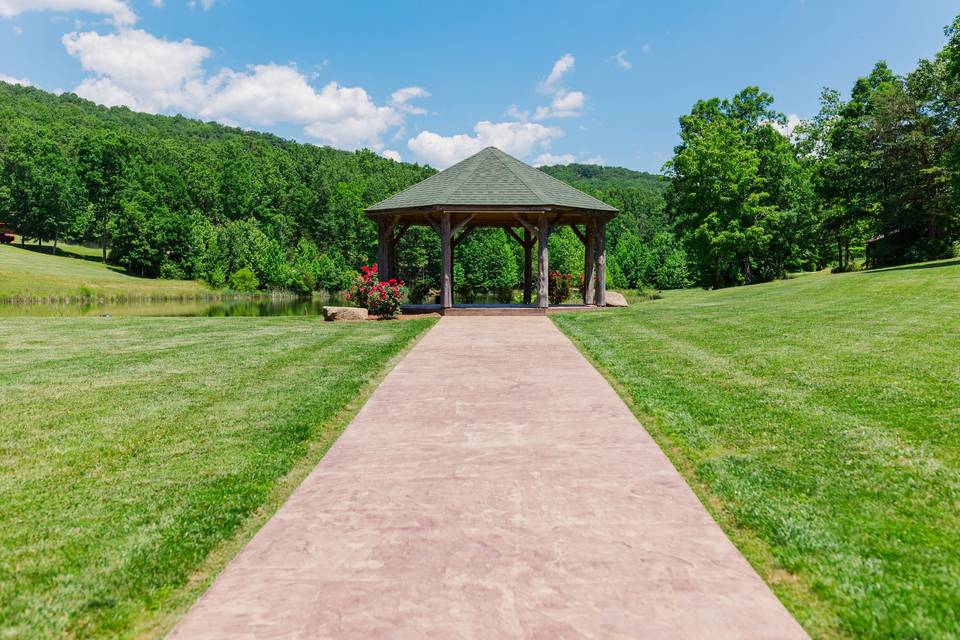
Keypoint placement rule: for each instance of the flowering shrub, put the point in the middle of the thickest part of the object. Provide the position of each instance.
(363, 285)
(382, 299)
(561, 285)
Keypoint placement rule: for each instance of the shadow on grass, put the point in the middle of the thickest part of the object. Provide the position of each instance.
(65, 253)
(921, 265)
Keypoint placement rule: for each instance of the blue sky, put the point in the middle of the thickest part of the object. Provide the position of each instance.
(433, 82)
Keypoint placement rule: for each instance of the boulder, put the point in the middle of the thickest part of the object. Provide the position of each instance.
(344, 314)
(615, 299)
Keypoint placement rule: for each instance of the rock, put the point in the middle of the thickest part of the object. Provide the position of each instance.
(615, 299)
(344, 314)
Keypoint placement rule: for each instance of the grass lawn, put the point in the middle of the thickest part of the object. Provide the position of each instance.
(139, 454)
(819, 420)
(27, 274)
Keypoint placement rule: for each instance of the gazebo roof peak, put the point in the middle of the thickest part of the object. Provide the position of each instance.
(492, 178)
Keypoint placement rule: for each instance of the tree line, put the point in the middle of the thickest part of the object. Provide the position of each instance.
(871, 180)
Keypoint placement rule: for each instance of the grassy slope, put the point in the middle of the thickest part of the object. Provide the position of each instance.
(818, 419)
(133, 449)
(28, 274)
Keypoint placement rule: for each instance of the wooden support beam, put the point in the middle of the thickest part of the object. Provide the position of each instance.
(446, 262)
(463, 236)
(602, 264)
(543, 261)
(526, 225)
(433, 223)
(527, 243)
(383, 249)
(400, 232)
(589, 262)
(579, 234)
(461, 224)
(513, 234)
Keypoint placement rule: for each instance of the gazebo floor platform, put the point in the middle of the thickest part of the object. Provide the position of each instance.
(494, 309)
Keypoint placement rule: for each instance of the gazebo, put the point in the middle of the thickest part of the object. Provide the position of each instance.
(493, 189)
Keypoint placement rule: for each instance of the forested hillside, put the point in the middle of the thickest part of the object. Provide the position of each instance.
(174, 197)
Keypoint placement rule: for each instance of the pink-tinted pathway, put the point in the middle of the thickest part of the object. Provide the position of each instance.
(494, 486)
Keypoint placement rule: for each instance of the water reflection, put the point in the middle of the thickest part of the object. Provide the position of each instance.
(183, 308)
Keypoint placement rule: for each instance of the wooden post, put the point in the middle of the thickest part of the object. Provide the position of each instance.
(527, 266)
(589, 262)
(446, 262)
(543, 261)
(602, 265)
(383, 249)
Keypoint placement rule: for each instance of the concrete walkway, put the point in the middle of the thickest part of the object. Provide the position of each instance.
(493, 486)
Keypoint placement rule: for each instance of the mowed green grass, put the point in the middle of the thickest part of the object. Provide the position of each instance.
(28, 274)
(819, 420)
(139, 453)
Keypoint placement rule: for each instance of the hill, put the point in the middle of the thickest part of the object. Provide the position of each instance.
(817, 417)
(27, 274)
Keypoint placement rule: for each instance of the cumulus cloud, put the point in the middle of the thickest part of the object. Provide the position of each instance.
(137, 69)
(560, 68)
(551, 159)
(621, 59)
(119, 11)
(564, 103)
(400, 100)
(515, 138)
(11, 80)
(392, 154)
(147, 73)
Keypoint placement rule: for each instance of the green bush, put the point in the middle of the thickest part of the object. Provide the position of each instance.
(503, 295)
(419, 291)
(171, 271)
(244, 279)
(466, 293)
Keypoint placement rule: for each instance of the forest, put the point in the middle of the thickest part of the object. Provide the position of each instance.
(872, 180)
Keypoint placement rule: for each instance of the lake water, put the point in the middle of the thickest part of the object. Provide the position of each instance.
(188, 308)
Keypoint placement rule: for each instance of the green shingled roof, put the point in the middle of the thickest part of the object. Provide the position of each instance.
(492, 178)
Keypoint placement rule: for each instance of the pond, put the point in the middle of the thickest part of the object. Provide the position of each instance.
(185, 308)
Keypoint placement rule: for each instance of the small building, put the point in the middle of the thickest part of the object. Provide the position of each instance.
(493, 189)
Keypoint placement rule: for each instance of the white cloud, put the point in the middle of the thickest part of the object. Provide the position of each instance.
(11, 80)
(787, 129)
(17, 30)
(137, 69)
(118, 10)
(206, 4)
(565, 103)
(515, 138)
(157, 3)
(514, 112)
(560, 68)
(146, 73)
(391, 154)
(595, 160)
(621, 59)
(551, 159)
(400, 99)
